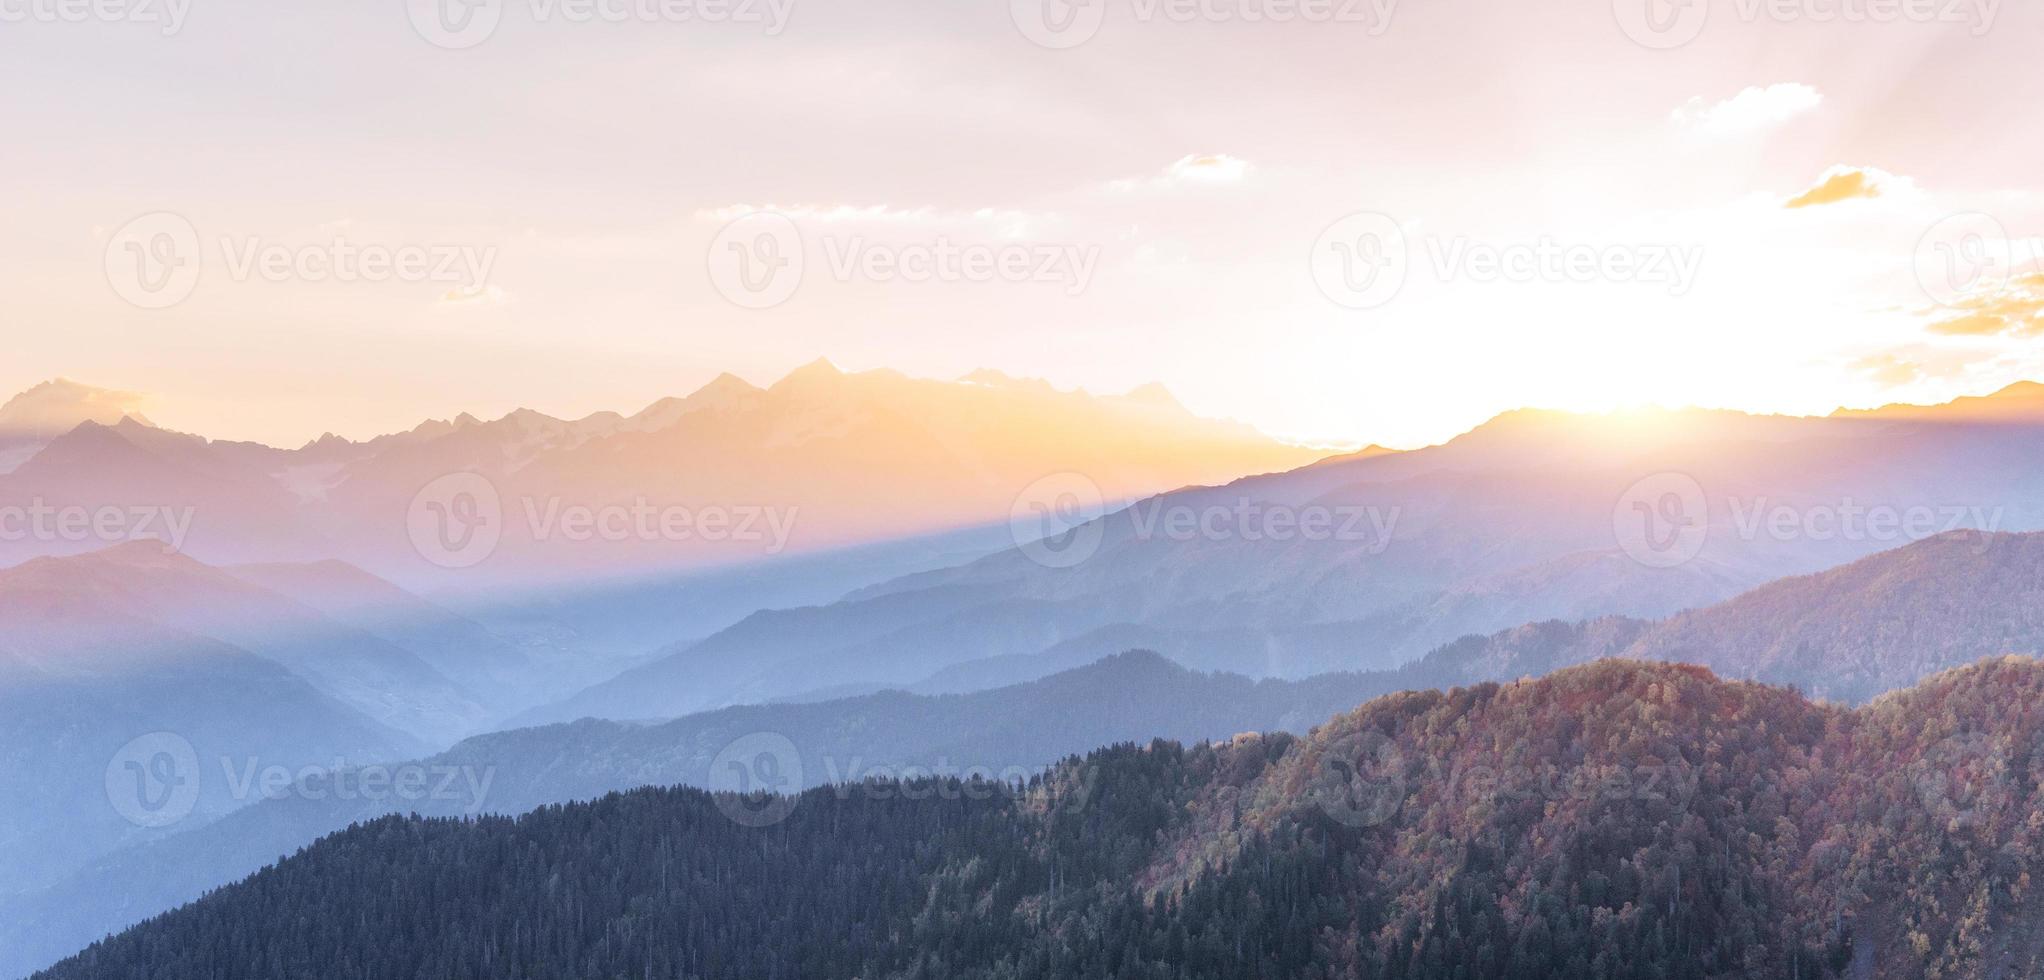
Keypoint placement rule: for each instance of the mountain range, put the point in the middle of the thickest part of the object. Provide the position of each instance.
(1846, 634)
(1532, 516)
(729, 474)
(1615, 819)
(302, 632)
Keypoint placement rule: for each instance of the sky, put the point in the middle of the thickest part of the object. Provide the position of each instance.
(1342, 221)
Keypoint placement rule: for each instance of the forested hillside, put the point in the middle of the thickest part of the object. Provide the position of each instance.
(1620, 819)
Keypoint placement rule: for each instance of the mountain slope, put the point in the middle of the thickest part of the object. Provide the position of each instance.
(28, 421)
(1875, 625)
(1519, 520)
(502, 676)
(1616, 819)
(1012, 731)
(371, 675)
(85, 684)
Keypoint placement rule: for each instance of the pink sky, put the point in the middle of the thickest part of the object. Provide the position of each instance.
(1194, 164)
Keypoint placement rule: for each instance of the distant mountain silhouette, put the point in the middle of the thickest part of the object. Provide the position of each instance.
(86, 667)
(835, 458)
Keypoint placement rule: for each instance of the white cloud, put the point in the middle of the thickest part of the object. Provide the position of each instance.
(1194, 170)
(1752, 111)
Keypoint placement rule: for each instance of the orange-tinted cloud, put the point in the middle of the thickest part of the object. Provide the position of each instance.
(1840, 184)
(2016, 311)
(1888, 370)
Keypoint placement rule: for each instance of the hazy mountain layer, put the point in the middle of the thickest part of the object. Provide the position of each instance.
(1533, 516)
(1617, 819)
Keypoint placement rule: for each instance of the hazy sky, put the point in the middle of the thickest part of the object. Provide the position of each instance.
(1152, 203)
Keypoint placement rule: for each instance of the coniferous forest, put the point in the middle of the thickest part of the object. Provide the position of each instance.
(1620, 819)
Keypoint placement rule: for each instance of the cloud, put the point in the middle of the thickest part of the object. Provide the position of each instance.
(1194, 170)
(1903, 366)
(1889, 370)
(1751, 111)
(2016, 310)
(491, 294)
(1846, 184)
